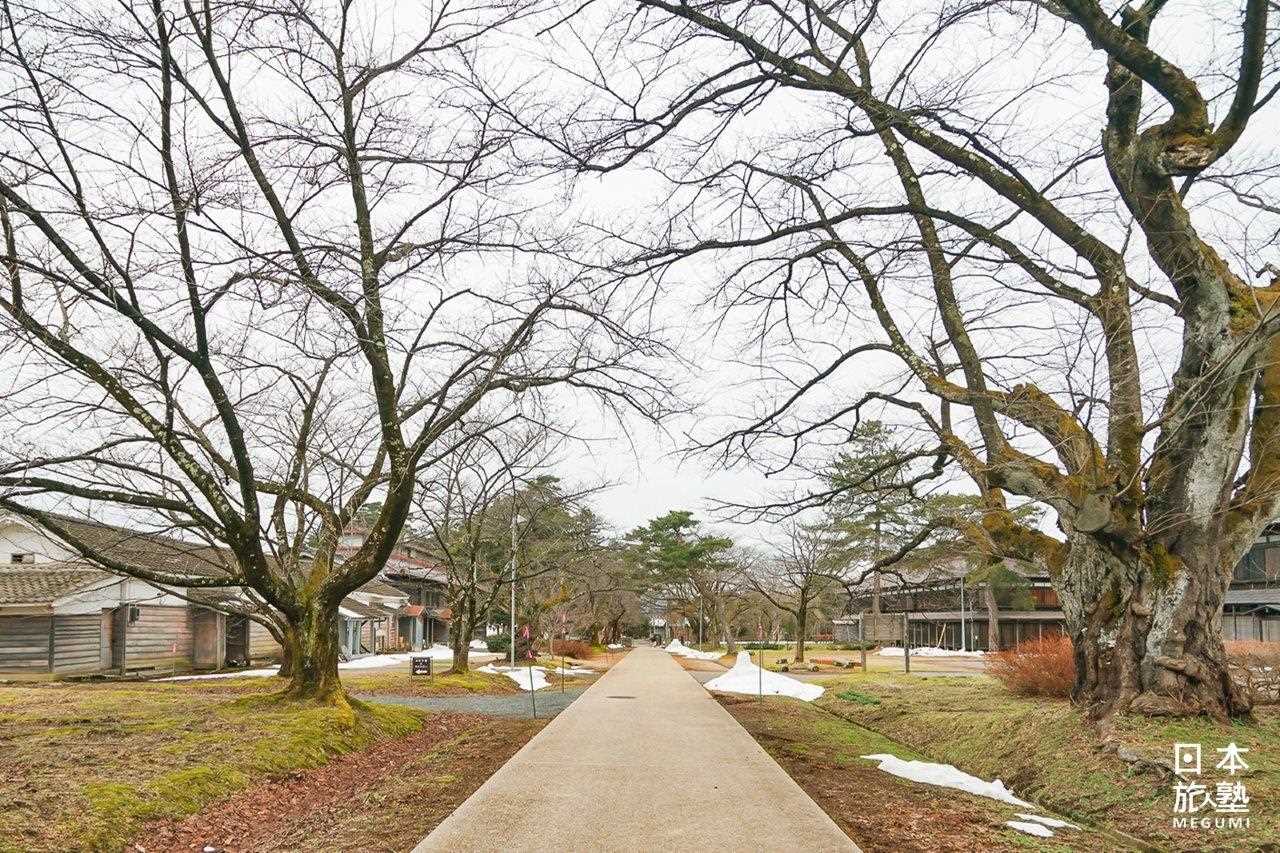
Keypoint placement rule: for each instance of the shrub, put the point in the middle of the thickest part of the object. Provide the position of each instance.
(499, 643)
(853, 645)
(1256, 667)
(769, 647)
(1043, 667)
(570, 648)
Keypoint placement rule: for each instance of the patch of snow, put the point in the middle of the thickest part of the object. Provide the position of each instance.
(1048, 821)
(927, 652)
(678, 648)
(479, 645)
(615, 645)
(574, 670)
(438, 651)
(1030, 828)
(746, 677)
(945, 776)
(244, 673)
(528, 678)
(373, 661)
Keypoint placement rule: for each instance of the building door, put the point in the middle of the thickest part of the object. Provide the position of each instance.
(237, 640)
(119, 637)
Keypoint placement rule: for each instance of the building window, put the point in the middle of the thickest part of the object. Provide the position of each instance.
(18, 558)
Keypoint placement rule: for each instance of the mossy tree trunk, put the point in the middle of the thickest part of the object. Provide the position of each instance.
(1147, 632)
(312, 647)
(460, 636)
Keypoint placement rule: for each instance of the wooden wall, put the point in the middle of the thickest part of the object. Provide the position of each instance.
(24, 644)
(161, 638)
(261, 644)
(77, 644)
(1250, 627)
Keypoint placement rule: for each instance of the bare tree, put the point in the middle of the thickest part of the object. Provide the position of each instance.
(490, 496)
(1022, 210)
(808, 566)
(263, 261)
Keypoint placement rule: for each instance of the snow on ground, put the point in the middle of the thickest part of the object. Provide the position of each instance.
(244, 673)
(436, 652)
(946, 776)
(615, 646)
(479, 646)
(927, 652)
(1048, 821)
(746, 677)
(678, 648)
(527, 678)
(1030, 828)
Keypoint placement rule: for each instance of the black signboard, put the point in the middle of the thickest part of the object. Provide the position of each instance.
(419, 665)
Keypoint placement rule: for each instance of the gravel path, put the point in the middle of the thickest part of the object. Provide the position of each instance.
(550, 702)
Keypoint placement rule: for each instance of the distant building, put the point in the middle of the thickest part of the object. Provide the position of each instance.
(1252, 607)
(941, 610)
(931, 600)
(62, 616)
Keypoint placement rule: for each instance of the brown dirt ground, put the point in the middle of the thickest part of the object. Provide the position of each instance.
(387, 797)
(878, 811)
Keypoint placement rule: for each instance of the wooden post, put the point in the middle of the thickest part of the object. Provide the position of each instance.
(762, 673)
(862, 638)
(906, 643)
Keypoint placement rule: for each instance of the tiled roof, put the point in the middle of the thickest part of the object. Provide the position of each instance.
(380, 587)
(42, 583)
(365, 610)
(401, 565)
(1253, 596)
(154, 551)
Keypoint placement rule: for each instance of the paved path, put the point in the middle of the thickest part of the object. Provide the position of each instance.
(550, 702)
(644, 760)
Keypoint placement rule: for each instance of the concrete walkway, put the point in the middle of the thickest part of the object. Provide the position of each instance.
(644, 760)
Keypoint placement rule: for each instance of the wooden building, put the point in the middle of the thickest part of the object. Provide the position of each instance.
(60, 616)
(935, 607)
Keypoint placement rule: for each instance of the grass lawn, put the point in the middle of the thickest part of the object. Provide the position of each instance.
(396, 681)
(87, 766)
(881, 813)
(1047, 752)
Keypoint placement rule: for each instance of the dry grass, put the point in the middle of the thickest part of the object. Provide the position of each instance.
(84, 766)
(1042, 667)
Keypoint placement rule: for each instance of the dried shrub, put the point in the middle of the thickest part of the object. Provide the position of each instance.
(1256, 666)
(571, 649)
(1042, 667)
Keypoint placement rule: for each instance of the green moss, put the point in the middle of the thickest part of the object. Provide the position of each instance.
(1163, 565)
(118, 809)
(860, 698)
(113, 758)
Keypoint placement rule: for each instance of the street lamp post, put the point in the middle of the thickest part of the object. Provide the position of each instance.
(513, 574)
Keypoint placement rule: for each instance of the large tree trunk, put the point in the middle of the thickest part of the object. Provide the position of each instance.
(802, 627)
(993, 618)
(311, 650)
(1147, 630)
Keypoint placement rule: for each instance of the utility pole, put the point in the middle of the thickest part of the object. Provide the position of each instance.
(963, 647)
